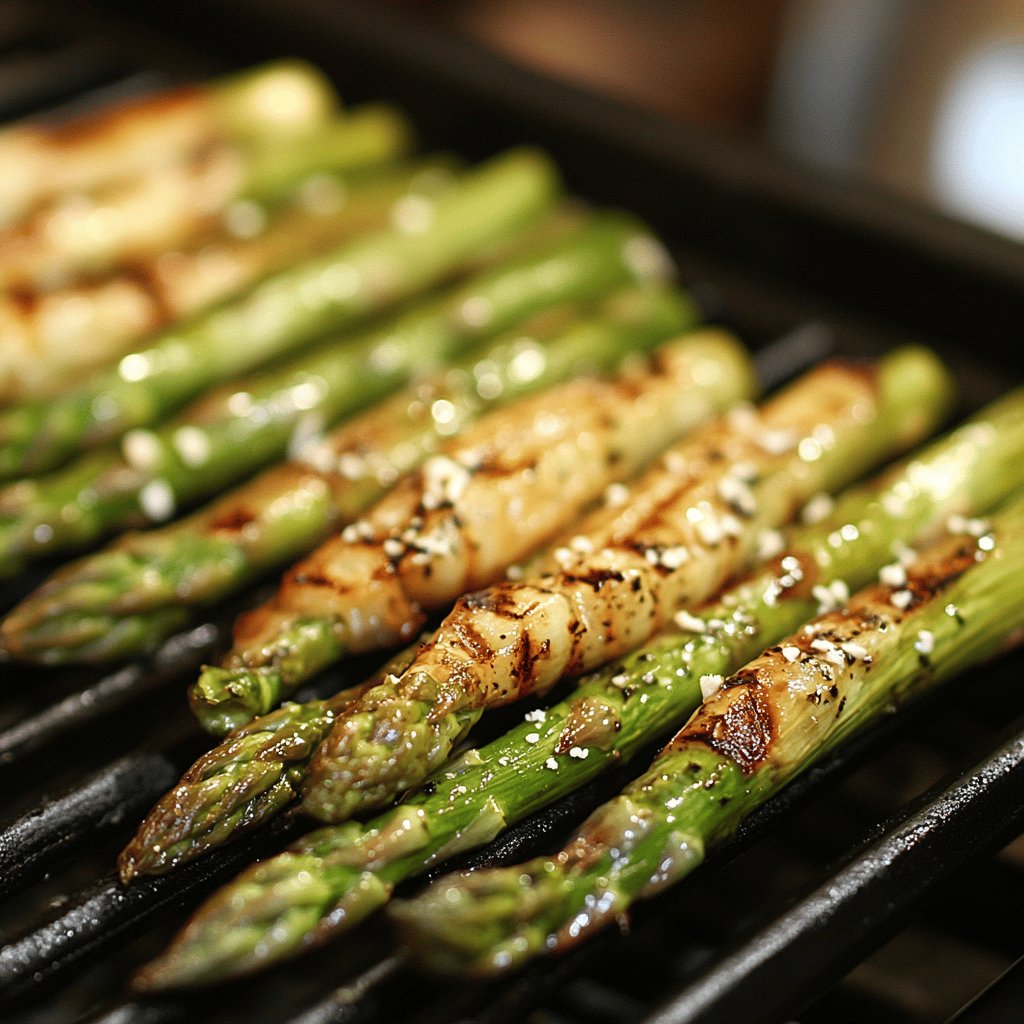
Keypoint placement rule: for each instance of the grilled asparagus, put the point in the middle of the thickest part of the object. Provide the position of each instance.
(958, 603)
(687, 526)
(285, 100)
(148, 852)
(283, 312)
(128, 597)
(47, 337)
(329, 880)
(247, 424)
(167, 838)
(174, 205)
(493, 495)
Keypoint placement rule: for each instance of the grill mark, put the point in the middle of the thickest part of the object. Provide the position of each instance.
(232, 520)
(744, 731)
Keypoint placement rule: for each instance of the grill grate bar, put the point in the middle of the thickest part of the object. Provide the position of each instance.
(784, 965)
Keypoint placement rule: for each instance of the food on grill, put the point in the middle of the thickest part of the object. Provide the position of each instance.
(175, 205)
(329, 880)
(115, 602)
(494, 493)
(688, 525)
(486, 491)
(954, 605)
(283, 312)
(48, 336)
(287, 100)
(525, 446)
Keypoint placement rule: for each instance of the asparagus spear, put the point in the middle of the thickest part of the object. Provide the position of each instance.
(149, 851)
(493, 495)
(285, 99)
(47, 337)
(247, 424)
(329, 880)
(955, 605)
(289, 309)
(128, 597)
(692, 523)
(246, 780)
(139, 218)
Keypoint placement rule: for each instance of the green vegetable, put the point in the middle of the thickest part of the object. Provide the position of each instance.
(955, 605)
(285, 311)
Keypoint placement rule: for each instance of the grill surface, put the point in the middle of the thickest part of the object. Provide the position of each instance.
(813, 882)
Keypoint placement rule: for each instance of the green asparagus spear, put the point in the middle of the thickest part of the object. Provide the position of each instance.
(142, 217)
(284, 100)
(126, 598)
(691, 524)
(955, 605)
(329, 880)
(464, 517)
(241, 427)
(49, 337)
(289, 309)
(314, 643)
(240, 784)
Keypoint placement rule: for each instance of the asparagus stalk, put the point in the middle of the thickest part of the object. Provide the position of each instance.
(329, 880)
(126, 598)
(313, 641)
(239, 428)
(47, 337)
(285, 99)
(954, 606)
(464, 517)
(286, 310)
(178, 204)
(246, 780)
(690, 525)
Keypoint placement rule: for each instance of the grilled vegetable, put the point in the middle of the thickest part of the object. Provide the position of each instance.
(492, 496)
(178, 204)
(249, 423)
(689, 525)
(238, 785)
(957, 604)
(46, 338)
(285, 311)
(161, 843)
(329, 880)
(283, 100)
(131, 595)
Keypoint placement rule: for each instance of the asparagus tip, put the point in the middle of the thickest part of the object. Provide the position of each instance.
(227, 699)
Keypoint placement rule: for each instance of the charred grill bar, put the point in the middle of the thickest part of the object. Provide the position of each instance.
(82, 753)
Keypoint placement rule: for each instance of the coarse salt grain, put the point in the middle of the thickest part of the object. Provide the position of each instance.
(710, 684)
(925, 642)
(791, 653)
(691, 623)
(901, 599)
(894, 575)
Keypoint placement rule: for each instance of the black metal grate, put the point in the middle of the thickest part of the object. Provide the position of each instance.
(767, 929)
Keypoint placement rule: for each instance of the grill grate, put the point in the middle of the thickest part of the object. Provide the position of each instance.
(111, 742)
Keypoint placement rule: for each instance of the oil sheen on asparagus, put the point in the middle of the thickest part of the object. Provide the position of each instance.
(246, 424)
(956, 604)
(685, 528)
(285, 100)
(48, 338)
(193, 816)
(283, 312)
(491, 497)
(126, 598)
(328, 881)
(176, 204)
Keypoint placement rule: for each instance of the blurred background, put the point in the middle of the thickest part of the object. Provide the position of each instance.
(922, 97)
